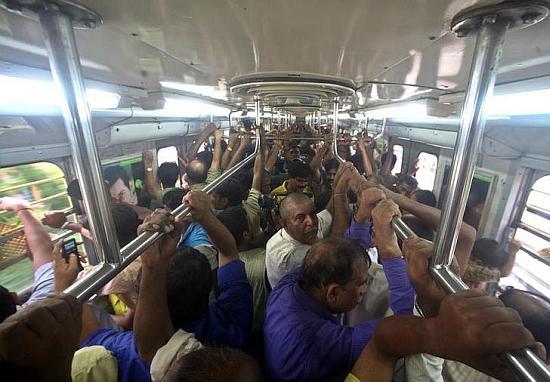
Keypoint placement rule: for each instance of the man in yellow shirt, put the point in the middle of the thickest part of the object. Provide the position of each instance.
(299, 175)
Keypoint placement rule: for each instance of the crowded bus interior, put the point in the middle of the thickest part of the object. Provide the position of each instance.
(253, 190)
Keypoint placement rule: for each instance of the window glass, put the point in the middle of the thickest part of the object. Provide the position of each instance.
(168, 154)
(425, 175)
(398, 151)
(44, 186)
(532, 270)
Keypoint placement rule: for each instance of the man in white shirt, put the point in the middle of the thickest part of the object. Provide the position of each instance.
(301, 228)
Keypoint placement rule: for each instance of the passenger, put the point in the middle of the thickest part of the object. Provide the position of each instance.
(425, 197)
(302, 307)
(299, 176)
(227, 194)
(199, 174)
(39, 248)
(172, 198)
(406, 185)
(214, 365)
(94, 363)
(119, 185)
(38, 342)
(489, 262)
(235, 220)
(168, 174)
(8, 303)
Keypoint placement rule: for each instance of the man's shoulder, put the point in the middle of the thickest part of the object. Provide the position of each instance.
(280, 190)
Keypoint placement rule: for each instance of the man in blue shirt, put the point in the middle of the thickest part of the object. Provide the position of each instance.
(304, 340)
(174, 291)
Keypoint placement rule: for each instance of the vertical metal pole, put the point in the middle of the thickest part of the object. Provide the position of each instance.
(335, 132)
(258, 111)
(487, 54)
(65, 65)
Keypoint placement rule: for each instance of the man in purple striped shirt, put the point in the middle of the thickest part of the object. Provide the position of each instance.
(304, 339)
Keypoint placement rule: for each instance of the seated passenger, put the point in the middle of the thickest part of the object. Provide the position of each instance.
(172, 198)
(299, 175)
(168, 174)
(406, 185)
(39, 248)
(304, 340)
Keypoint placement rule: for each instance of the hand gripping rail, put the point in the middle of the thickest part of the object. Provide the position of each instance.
(87, 287)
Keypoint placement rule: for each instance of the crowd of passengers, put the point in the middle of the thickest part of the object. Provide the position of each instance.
(288, 271)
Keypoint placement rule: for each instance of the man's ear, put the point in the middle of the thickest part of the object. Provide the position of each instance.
(332, 292)
(247, 236)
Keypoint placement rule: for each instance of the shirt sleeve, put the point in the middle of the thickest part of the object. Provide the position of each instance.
(251, 203)
(230, 318)
(325, 222)
(360, 233)
(212, 175)
(43, 283)
(401, 290)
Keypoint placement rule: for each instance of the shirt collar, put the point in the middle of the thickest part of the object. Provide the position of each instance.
(309, 303)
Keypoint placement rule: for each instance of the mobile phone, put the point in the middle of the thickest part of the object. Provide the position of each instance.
(70, 247)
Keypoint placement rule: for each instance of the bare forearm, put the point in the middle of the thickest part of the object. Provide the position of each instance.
(272, 159)
(342, 214)
(258, 171)
(226, 157)
(221, 238)
(216, 159)
(315, 165)
(194, 149)
(367, 164)
(152, 324)
(38, 239)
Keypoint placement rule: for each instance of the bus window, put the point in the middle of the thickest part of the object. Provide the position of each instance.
(398, 151)
(44, 186)
(425, 175)
(532, 268)
(167, 154)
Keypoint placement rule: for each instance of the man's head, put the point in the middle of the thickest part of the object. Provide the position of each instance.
(172, 199)
(335, 273)
(425, 197)
(126, 222)
(298, 218)
(235, 220)
(188, 284)
(168, 174)
(406, 185)
(292, 152)
(489, 253)
(119, 185)
(7, 304)
(299, 175)
(214, 365)
(331, 167)
(227, 194)
(196, 172)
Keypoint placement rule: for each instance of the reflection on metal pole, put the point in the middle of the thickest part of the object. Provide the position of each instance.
(64, 62)
(258, 111)
(335, 132)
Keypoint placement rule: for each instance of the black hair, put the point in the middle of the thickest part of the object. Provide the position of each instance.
(489, 253)
(408, 180)
(197, 171)
(332, 164)
(173, 198)
(7, 304)
(235, 220)
(231, 190)
(425, 197)
(357, 163)
(168, 174)
(73, 189)
(113, 173)
(188, 285)
(206, 157)
(211, 364)
(126, 222)
(393, 159)
(331, 261)
(536, 319)
(298, 169)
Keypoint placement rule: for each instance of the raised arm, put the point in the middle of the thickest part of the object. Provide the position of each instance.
(317, 160)
(152, 324)
(220, 236)
(208, 131)
(38, 240)
(367, 164)
(258, 171)
(228, 153)
(386, 168)
(151, 184)
(239, 153)
(273, 154)
(340, 205)
(431, 217)
(57, 219)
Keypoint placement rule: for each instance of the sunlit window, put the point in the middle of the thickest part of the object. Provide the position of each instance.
(398, 151)
(168, 154)
(427, 167)
(44, 186)
(532, 269)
